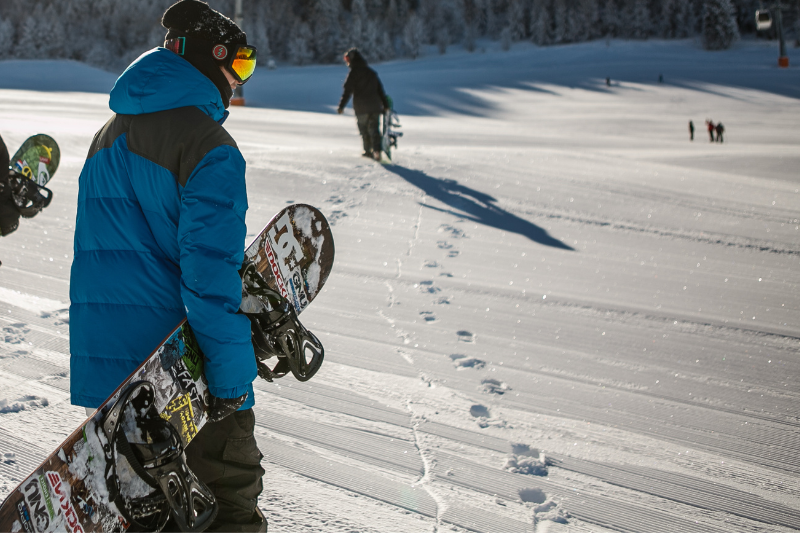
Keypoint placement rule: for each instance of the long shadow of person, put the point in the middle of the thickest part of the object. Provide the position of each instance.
(474, 205)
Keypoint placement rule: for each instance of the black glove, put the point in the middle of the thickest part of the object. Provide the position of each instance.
(219, 408)
(340, 110)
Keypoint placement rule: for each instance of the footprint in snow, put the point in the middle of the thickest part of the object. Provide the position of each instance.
(22, 404)
(454, 232)
(532, 495)
(549, 511)
(494, 386)
(479, 411)
(59, 317)
(465, 336)
(446, 274)
(427, 286)
(430, 264)
(528, 466)
(462, 361)
(427, 316)
(444, 300)
(444, 245)
(453, 253)
(14, 333)
(334, 216)
(336, 199)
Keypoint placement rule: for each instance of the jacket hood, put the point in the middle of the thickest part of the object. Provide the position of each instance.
(159, 80)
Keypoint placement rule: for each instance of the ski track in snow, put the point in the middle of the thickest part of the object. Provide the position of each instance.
(552, 313)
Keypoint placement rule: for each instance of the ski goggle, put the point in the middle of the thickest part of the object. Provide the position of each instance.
(241, 63)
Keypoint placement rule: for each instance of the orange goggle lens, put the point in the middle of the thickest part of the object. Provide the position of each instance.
(244, 63)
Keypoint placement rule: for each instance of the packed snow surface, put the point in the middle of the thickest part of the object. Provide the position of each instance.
(553, 312)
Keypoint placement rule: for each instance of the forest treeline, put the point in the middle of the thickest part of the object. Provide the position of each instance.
(111, 33)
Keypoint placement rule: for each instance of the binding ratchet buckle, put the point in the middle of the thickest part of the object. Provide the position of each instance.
(276, 330)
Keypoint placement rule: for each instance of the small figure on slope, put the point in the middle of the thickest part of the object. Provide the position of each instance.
(720, 130)
(369, 101)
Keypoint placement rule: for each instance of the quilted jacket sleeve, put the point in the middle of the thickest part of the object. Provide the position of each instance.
(211, 235)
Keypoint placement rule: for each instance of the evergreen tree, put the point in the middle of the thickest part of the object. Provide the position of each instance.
(719, 25)
(685, 19)
(299, 50)
(414, 36)
(516, 20)
(327, 34)
(610, 19)
(640, 20)
(540, 22)
(589, 11)
(560, 21)
(6, 38)
(359, 23)
(471, 23)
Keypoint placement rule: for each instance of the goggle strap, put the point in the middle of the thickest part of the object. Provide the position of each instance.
(177, 45)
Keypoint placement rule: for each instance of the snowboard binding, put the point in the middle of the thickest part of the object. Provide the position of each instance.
(276, 331)
(159, 461)
(29, 197)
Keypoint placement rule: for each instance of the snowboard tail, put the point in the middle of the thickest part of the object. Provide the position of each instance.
(37, 159)
(30, 169)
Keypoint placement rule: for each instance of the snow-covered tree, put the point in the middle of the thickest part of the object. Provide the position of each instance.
(540, 22)
(719, 25)
(29, 41)
(610, 19)
(589, 11)
(358, 26)
(640, 20)
(516, 20)
(299, 50)
(327, 32)
(559, 21)
(6, 38)
(413, 36)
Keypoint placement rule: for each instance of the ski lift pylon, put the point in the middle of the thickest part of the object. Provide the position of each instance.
(763, 19)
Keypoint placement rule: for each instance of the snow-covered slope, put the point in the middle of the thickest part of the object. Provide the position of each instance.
(553, 313)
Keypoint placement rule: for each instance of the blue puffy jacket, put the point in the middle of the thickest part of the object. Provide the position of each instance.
(159, 234)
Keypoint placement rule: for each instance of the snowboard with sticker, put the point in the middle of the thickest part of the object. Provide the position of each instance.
(389, 137)
(30, 169)
(69, 491)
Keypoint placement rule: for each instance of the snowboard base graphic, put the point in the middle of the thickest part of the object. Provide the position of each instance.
(37, 159)
(68, 492)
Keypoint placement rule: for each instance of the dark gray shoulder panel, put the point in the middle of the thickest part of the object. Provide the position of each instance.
(176, 139)
(116, 126)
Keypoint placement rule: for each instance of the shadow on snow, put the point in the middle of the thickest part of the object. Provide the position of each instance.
(474, 205)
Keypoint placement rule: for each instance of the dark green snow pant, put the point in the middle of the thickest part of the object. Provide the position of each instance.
(225, 456)
(369, 128)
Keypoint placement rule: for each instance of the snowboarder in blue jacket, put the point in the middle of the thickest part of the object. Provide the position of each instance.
(159, 237)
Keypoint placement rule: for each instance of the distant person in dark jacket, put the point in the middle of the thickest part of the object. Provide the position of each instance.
(369, 101)
(720, 130)
(691, 130)
(711, 128)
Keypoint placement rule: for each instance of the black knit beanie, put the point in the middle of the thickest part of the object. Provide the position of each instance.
(204, 29)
